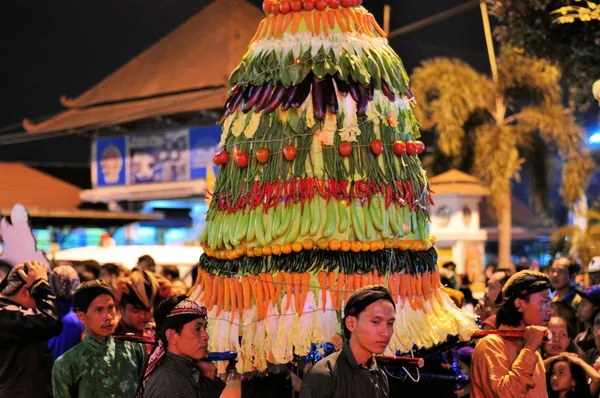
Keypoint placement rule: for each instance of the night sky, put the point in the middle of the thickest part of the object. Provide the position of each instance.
(54, 48)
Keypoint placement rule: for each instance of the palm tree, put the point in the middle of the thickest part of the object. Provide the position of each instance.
(518, 113)
(582, 241)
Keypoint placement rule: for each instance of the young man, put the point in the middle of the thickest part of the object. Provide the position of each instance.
(590, 302)
(368, 322)
(99, 366)
(175, 368)
(137, 303)
(29, 316)
(562, 278)
(509, 368)
(486, 309)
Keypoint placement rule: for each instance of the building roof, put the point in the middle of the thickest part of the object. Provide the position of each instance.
(188, 66)
(457, 182)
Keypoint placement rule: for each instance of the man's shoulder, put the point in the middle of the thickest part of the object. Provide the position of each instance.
(72, 355)
(489, 341)
(326, 365)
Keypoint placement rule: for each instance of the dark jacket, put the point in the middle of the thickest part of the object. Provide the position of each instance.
(339, 376)
(177, 377)
(25, 360)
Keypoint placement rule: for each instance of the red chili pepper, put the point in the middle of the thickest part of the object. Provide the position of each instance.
(388, 196)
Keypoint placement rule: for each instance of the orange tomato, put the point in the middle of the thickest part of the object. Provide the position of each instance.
(346, 245)
(286, 248)
(322, 243)
(355, 246)
(334, 244)
(308, 244)
(297, 247)
(276, 249)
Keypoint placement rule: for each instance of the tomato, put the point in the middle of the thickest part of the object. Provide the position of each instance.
(242, 159)
(377, 147)
(285, 7)
(321, 4)
(217, 159)
(308, 5)
(267, 6)
(296, 5)
(289, 152)
(345, 3)
(262, 155)
(357, 2)
(345, 149)
(415, 147)
(399, 148)
(334, 3)
(275, 7)
(220, 158)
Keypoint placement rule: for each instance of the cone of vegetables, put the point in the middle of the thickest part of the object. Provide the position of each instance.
(320, 192)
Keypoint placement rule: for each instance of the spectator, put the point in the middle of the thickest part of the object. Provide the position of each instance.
(137, 302)
(109, 272)
(469, 302)
(562, 339)
(178, 287)
(594, 271)
(489, 271)
(146, 263)
(567, 377)
(486, 309)
(592, 354)
(88, 270)
(29, 317)
(64, 281)
(562, 277)
(170, 272)
(590, 302)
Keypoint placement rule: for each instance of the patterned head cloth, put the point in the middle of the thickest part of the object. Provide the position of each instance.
(64, 281)
(13, 281)
(171, 313)
(142, 288)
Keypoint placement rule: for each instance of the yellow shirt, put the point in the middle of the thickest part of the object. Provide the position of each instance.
(502, 368)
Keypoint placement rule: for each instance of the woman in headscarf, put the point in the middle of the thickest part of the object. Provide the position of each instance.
(175, 368)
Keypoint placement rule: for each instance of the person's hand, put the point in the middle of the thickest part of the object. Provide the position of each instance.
(534, 336)
(572, 357)
(597, 364)
(35, 271)
(208, 369)
(481, 310)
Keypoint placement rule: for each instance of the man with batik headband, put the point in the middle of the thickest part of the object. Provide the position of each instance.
(29, 316)
(99, 366)
(175, 368)
(137, 302)
(513, 368)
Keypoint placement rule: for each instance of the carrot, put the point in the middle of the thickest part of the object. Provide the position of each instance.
(260, 298)
(271, 28)
(340, 290)
(340, 20)
(208, 292)
(403, 288)
(214, 292)
(297, 278)
(375, 276)
(297, 17)
(278, 22)
(357, 282)
(426, 282)
(279, 285)
(354, 16)
(331, 17)
(286, 22)
(394, 285)
(262, 279)
(331, 282)
(317, 16)
(199, 281)
(370, 275)
(304, 282)
(349, 286)
(271, 286)
(382, 280)
(378, 28)
(233, 297)
(325, 25)
(221, 293)
(307, 16)
(246, 292)
(288, 287)
(364, 280)
(226, 294)
(258, 31)
(239, 295)
(419, 285)
(322, 275)
(348, 19)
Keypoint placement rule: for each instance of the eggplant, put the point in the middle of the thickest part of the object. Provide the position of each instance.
(264, 96)
(234, 91)
(330, 96)
(318, 99)
(342, 86)
(253, 97)
(371, 90)
(409, 94)
(361, 107)
(288, 97)
(354, 91)
(302, 91)
(387, 91)
(276, 98)
(235, 102)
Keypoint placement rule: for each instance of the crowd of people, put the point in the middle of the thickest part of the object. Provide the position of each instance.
(72, 333)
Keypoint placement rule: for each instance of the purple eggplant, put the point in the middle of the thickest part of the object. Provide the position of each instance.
(371, 90)
(288, 97)
(234, 91)
(361, 107)
(387, 91)
(264, 97)
(253, 97)
(276, 98)
(330, 96)
(354, 91)
(302, 91)
(318, 99)
(235, 102)
(342, 86)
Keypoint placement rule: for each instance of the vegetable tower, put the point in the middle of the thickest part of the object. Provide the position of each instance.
(320, 191)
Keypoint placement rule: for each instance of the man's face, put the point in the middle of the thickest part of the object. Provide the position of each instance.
(135, 318)
(192, 342)
(560, 338)
(145, 265)
(559, 274)
(494, 287)
(537, 311)
(372, 329)
(585, 310)
(100, 316)
(107, 276)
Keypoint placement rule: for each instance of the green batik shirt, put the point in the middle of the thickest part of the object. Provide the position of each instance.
(98, 368)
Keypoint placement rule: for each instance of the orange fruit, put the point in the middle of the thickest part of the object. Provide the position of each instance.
(405, 244)
(396, 242)
(387, 243)
(346, 245)
(355, 246)
(250, 252)
(297, 247)
(267, 251)
(376, 245)
(276, 249)
(365, 246)
(335, 244)
(322, 243)
(308, 244)
(242, 250)
(229, 255)
(286, 248)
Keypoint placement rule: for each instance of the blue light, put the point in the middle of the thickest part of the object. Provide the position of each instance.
(594, 138)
